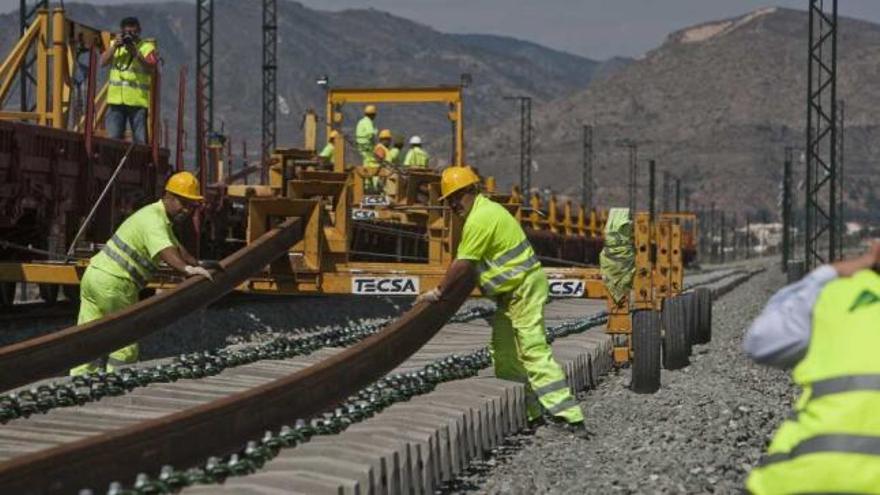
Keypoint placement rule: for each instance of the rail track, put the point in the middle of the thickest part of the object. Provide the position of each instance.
(204, 430)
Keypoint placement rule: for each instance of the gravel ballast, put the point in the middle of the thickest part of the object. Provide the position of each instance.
(701, 433)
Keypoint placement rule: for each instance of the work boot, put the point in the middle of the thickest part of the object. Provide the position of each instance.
(577, 430)
(536, 423)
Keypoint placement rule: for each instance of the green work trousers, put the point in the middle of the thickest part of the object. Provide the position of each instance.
(520, 351)
(101, 294)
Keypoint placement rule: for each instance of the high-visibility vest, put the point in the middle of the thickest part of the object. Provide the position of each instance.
(416, 157)
(493, 239)
(130, 82)
(133, 251)
(393, 156)
(327, 152)
(365, 135)
(832, 443)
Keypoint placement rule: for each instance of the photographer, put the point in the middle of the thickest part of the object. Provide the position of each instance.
(133, 62)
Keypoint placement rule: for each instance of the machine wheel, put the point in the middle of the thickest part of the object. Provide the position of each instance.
(71, 292)
(704, 316)
(7, 293)
(691, 315)
(646, 352)
(676, 347)
(49, 293)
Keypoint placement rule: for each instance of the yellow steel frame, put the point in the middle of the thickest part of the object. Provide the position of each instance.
(450, 95)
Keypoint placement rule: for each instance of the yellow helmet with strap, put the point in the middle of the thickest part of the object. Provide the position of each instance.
(456, 178)
(184, 184)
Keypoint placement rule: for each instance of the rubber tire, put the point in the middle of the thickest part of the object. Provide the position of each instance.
(691, 316)
(7, 293)
(704, 319)
(49, 293)
(676, 347)
(646, 352)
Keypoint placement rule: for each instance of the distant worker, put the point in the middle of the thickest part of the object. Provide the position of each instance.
(416, 156)
(495, 249)
(326, 154)
(382, 150)
(125, 265)
(826, 327)
(365, 134)
(394, 153)
(134, 61)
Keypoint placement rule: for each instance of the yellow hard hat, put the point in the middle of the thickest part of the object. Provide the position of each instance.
(184, 184)
(370, 110)
(333, 134)
(456, 178)
(385, 134)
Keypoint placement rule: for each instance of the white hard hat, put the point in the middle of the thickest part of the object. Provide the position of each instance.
(415, 140)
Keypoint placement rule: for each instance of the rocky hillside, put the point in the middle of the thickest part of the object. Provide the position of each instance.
(715, 104)
(354, 48)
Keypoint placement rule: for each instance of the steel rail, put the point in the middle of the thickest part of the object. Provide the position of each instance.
(186, 437)
(45, 356)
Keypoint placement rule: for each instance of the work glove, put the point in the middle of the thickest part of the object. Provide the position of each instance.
(198, 270)
(431, 296)
(211, 265)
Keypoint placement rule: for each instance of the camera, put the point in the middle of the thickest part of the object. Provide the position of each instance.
(127, 39)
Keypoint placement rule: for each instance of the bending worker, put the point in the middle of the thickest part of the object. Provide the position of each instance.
(495, 248)
(123, 267)
(416, 156)
(826, 327)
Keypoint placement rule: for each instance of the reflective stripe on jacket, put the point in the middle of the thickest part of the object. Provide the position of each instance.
(832, 443)
(493, 239)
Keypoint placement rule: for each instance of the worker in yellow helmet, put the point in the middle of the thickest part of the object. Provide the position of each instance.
(123, 267)
(494, 250)
(825, 328)
(365, 135)
(326, 154)
(383, 147)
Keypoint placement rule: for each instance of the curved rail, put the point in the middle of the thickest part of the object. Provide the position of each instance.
(45, 356)
(225, 424)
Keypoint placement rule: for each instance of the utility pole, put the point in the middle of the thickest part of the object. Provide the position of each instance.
(587, 173)
(667, 191)
(822, 139)
(204, 75)
(841, 223)
(712, 246)
(270, 83)
(27, 79)
(633, 148)
(525, 142)
(678, 195)
(722, 241)
(652, 185)
(787, 247)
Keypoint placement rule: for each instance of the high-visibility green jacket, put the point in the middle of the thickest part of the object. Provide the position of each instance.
(832, 443)
(327, 151)
(129, 82)
(416, 157)
(365, 135)
(393, 156)
(493, 239)
(133, 251)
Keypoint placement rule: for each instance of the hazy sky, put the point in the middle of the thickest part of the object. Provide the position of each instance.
(594, 28)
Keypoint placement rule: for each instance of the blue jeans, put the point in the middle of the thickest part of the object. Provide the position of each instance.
(120, 115)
